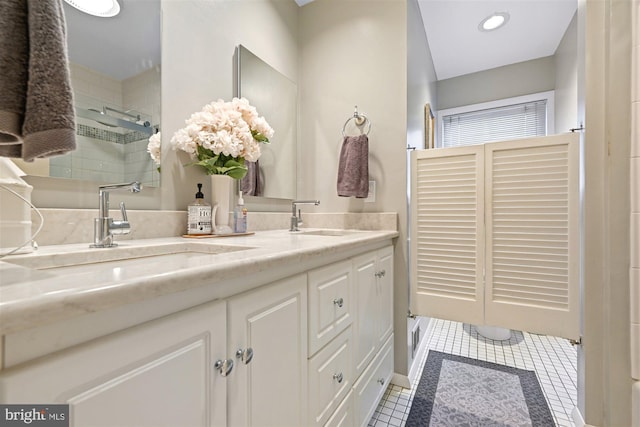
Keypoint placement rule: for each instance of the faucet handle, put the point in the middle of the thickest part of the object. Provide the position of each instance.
(120, 226)
(124, 212)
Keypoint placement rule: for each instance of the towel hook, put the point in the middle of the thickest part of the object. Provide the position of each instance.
(359, 119)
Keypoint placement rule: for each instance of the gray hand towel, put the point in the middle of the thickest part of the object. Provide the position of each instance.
(250, 184)
(36, 102)
(353, 169)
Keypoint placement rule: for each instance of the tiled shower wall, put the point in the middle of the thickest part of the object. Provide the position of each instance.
(111, 154)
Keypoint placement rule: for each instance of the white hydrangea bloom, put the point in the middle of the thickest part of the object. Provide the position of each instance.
(153, 148)
(226, 128)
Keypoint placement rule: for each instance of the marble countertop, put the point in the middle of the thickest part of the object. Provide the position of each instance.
(38, 288)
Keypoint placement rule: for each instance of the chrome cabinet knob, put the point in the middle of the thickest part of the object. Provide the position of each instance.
(224, 366)
(338, 377)
(381, 381)
(245, 355)
(339, 302)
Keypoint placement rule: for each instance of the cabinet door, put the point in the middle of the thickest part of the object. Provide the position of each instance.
(384, 287)
(367, 307)
(160, 373)
(370, 387)
(270, 389)
(373, 288)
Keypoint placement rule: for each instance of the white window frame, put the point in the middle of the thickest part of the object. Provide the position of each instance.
(549, 96)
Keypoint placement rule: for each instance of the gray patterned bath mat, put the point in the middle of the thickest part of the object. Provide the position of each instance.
(456, 391)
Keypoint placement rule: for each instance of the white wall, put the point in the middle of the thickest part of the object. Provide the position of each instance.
(606, 349)
(421, 89)
(523, 78)
(198, 42)
(566, 80)
(421, 76)
(635, 212)
(355, 53)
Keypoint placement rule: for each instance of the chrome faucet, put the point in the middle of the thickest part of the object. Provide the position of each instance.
(296, 215)
(104, 227)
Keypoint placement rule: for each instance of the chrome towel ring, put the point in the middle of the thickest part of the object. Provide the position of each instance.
(360, 120)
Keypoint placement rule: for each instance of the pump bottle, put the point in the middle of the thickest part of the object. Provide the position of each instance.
(199, 215)
(240, 216)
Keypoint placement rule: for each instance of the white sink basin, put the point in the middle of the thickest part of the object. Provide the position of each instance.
(330, 233)
(122, 255)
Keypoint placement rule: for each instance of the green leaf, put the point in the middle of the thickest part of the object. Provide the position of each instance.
(259, 137)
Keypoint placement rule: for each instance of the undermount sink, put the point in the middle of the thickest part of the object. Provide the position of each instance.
(121, 255)
(330, 233)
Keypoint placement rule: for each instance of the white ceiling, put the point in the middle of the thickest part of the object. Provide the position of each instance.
(120, 47)
(130, 42)
(534, 30)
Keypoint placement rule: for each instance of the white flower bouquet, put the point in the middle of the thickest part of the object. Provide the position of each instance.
(222, 136)
(153, 148)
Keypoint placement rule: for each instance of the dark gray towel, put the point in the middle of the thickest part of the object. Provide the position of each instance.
(353, 169)
(36, 102)
(250, 184)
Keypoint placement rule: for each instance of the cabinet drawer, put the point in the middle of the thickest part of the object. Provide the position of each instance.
(330, 303)
(369, 389)
(343, 416)
(330, 378)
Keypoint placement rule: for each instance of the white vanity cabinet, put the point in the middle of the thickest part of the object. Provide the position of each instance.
(308, 345)
(267, 333)
(159, 373)
(350, 338)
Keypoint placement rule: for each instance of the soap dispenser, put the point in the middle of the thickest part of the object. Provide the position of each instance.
(240, 216)
(199, 215)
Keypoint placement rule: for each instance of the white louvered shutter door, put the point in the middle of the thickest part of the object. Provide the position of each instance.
(532, 235)
(447, 244)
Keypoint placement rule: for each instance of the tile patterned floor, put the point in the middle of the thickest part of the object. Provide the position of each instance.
(553, 359)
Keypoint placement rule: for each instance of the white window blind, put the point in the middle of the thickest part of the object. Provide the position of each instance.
(515, 121)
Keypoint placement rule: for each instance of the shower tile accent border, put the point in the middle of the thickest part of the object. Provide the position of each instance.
(111, 136)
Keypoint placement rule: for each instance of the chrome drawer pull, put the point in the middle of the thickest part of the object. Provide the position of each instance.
(224, 366)
(380, 273)
(338, 377)
(381, 381)
(245, 355)
(339, 302)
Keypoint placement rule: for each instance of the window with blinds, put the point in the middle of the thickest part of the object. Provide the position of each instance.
(523, 120)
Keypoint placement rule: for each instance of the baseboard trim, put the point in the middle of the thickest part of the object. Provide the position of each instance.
(577, 418)
(400, 380)
(422, 349)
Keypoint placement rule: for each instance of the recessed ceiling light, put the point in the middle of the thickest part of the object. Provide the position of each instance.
(101, 8)
(494, 21)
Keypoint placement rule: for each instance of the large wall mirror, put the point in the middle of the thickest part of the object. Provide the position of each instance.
(115, 76)
(275, 97)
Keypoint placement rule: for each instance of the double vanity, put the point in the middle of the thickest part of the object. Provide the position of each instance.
(275, 328)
